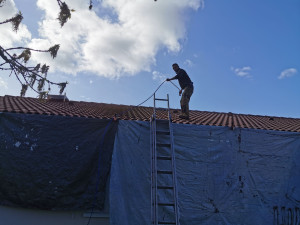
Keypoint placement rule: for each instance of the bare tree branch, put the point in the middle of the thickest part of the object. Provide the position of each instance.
(91, 4)
(1, 2)
(64, 13)
(34, 77)
(16, 20)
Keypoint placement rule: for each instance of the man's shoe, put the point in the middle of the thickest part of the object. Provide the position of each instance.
(184, 117)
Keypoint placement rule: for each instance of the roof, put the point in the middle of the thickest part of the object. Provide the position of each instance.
(28, 105)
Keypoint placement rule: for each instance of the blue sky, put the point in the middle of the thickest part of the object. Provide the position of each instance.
(243, 56)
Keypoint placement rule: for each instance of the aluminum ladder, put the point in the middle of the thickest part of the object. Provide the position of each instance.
(164, 197)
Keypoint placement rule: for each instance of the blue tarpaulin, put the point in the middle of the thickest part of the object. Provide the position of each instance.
(224, 175)
(54, 162)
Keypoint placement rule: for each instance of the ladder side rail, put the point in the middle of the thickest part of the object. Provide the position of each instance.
(155, 171)
(154, 113)
(176, 209)
(152, 169)
(155, 211)
(168, 104)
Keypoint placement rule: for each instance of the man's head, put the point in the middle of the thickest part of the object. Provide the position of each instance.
(175, 67)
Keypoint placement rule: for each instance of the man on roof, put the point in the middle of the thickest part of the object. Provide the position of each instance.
(187, 88)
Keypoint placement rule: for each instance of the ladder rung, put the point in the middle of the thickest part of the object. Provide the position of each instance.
(164, 158)
(164, 172)
(163, 132)
(162, 222)
(165, 204)
(163, 145)
(164, 187)
(160, 99)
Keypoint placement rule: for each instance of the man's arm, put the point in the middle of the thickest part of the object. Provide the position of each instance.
(173, 78)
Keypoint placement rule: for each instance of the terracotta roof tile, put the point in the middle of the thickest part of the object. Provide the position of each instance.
(101, 110)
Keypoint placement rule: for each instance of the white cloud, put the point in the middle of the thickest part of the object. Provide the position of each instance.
(9, 37)
(3, 84)
(188, 63)
(287, 73)
(112, 46)
(159, 76)
(85, 98)
(242, 72)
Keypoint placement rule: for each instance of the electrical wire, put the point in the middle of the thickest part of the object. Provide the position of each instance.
(122, 113)
(126, 111)
(152, 94)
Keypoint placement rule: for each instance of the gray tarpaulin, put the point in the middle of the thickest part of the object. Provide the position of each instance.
(225, 176)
